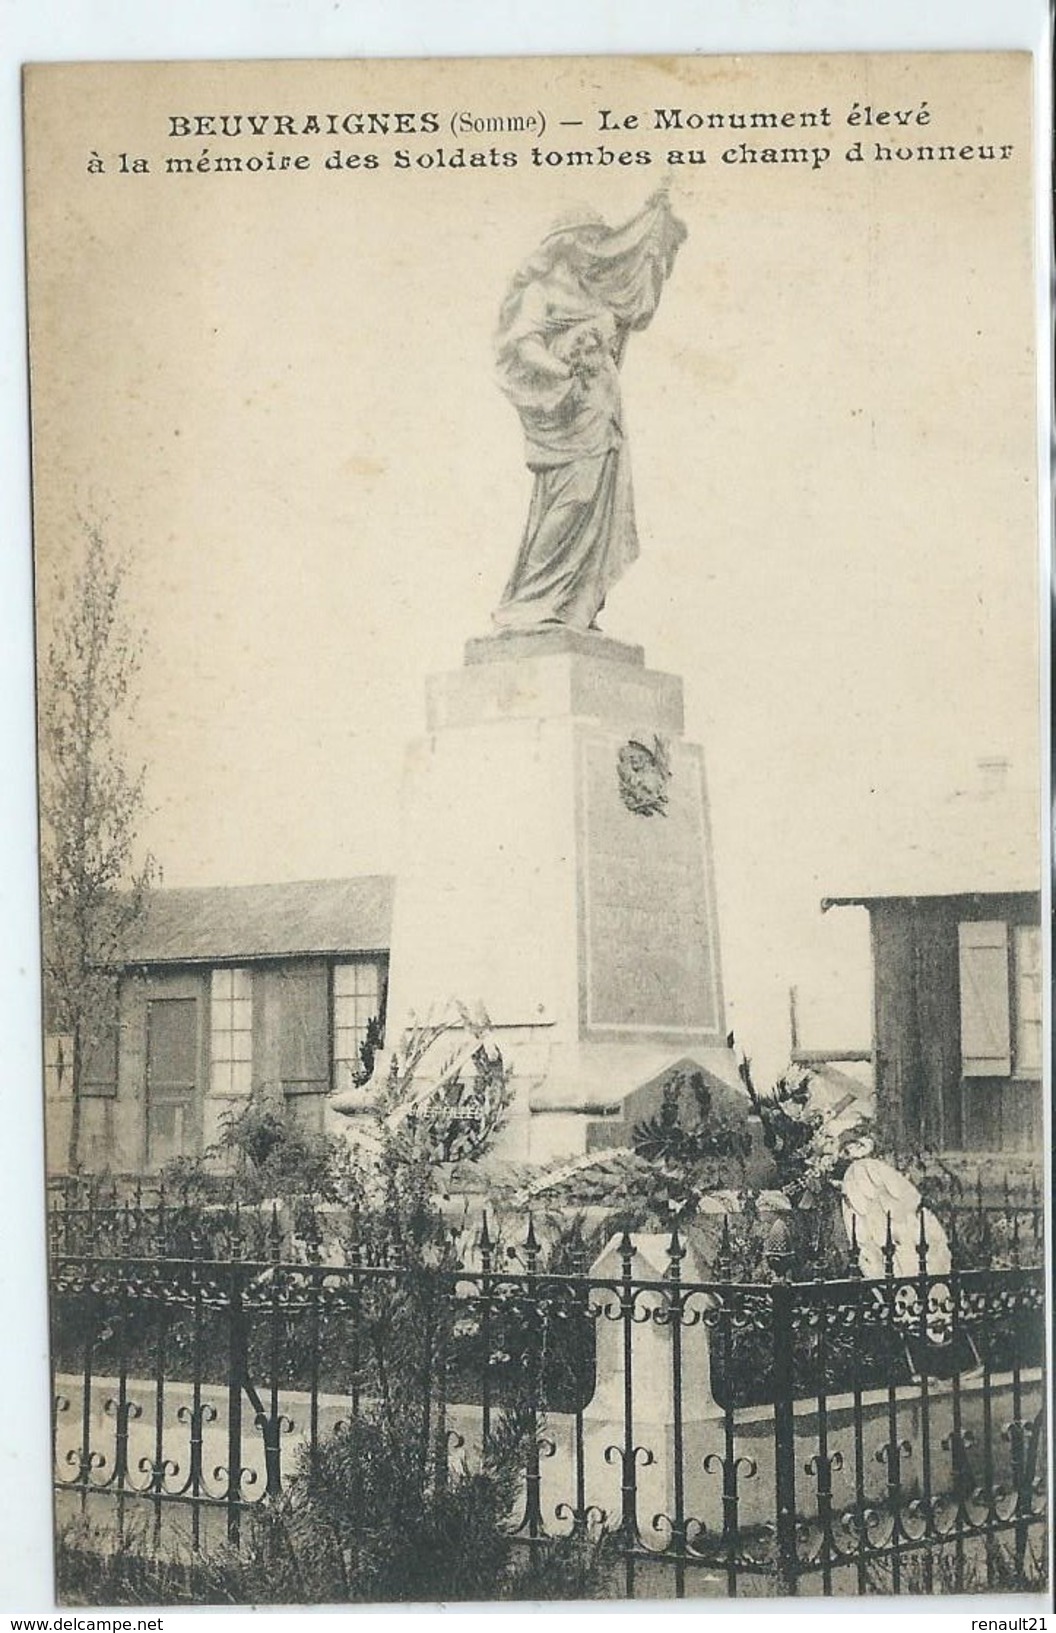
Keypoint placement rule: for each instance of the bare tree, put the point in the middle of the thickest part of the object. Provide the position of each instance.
(93, 888)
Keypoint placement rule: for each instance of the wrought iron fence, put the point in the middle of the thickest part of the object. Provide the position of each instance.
(991, 1222)
(994, 1216)
(731, 1437)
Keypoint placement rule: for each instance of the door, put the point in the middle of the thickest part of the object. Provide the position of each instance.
(173, 1121)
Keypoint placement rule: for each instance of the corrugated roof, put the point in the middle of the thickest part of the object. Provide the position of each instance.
(224, 922)
(975, 842)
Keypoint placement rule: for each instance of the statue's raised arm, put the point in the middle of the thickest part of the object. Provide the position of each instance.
(562, 331)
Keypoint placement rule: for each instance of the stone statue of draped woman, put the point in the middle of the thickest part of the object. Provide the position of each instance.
(562, 332)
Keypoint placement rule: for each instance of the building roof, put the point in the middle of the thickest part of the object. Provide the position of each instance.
(214, 924)
(980, 841)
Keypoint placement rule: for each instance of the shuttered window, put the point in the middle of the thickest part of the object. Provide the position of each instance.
(58, 1064)
(172, 1079)
(1027, 988)
(99, 1075)
(986, 1029)
(306, 1029)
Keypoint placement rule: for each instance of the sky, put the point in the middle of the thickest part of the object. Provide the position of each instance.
(753, 832)
(275, 396)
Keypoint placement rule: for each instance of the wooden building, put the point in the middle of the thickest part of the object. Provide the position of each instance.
(226, 990)
(958, 978)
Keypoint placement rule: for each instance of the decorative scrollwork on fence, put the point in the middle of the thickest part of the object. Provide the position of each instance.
(583, 1522)
(910, 1439)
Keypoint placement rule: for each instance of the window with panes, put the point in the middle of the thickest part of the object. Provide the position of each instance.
(357, 998)
(231, 1032)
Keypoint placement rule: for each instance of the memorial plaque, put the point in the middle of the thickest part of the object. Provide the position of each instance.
(647, 923)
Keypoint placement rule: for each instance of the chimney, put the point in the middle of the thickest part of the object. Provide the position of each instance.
(993, 773)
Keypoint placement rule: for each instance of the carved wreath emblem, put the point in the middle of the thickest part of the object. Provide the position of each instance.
(643, 775)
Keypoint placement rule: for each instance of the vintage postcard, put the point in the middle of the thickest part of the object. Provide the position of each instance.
(537, 571)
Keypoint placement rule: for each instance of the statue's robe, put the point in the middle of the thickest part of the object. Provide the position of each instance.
(586, 283)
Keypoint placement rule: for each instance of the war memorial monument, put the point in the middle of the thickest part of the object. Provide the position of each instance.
(555, 870)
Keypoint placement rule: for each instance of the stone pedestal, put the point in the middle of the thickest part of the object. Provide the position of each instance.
(655, 1382)
(555, 870)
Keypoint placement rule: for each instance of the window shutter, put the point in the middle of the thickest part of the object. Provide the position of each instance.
(1028, 973)
(58, 1064)
(99, 1068)
(986, 1034)
(305, 1028)
(172, 1048)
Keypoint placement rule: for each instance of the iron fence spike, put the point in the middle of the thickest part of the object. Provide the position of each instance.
(725, 1256)
(889, 1247)
(800, 1328)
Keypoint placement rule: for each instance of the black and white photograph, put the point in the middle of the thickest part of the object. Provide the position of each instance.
(538, 575)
